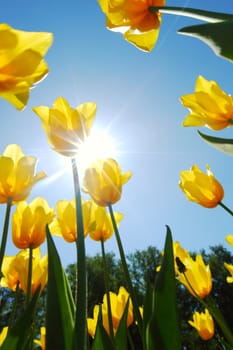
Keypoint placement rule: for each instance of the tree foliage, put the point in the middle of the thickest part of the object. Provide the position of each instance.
(143, 266)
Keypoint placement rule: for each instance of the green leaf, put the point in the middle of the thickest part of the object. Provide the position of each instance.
(19, 337)
(162, 329)
(60, 305)
(222, 144)
(121, 334)
(216, 35)
(102, 340)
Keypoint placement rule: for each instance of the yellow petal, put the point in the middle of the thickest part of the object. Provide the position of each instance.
(143, 40)
(229, 239)
(193, 120)
(19, 100)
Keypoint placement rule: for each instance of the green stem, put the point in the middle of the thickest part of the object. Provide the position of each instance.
(5, 232)
(132, 347)
(216, 313)
(208, 16)
(80, 340)
(126, 272)
(226, 208)
(107, 292)
(29, 280)
(14, 306)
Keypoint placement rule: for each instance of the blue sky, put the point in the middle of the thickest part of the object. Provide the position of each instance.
(137, 96)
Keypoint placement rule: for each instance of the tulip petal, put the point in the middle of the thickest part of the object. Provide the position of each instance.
(145, 41)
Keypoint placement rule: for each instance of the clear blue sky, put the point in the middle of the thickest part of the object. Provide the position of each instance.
(137, 95)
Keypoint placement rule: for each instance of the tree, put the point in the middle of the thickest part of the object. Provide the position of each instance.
(95, 278)
(143, 267)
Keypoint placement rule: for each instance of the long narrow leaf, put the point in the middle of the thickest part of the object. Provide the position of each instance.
(121, 334)
(19, 336)
(60, 306)
(102, 339)
(216, 35)
(163, 329)
(222, 144)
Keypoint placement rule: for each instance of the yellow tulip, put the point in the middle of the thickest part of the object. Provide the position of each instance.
(65, 225)
(17, 174)
(209, 105)
(229, 239)
(118, 303)
(103, 181)
(21, 62)
(229, 268)
(29, 223)
(181, 253)
(92, 322)
(102, 227)
(10, 277)
(141, 310)
(134, 20)
(197, 276)
(15, 271)
(66, 128)
(42, 340)
(3, 335)
(201, 188)
(204, 324)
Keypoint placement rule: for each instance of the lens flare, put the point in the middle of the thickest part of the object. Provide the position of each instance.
(98, 145)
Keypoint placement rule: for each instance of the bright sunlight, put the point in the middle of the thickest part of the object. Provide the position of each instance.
(97, 145)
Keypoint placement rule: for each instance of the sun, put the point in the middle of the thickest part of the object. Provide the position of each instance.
(99, 144)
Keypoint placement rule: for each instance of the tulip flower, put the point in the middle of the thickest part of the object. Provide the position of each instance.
(180, 252)
(22, 64)
(210, 106)
(204, 324)
(229, 239)
(65, 225)
(41, 342)
(29, 223)
(92, 322)
(3, 335)
(103, 181)
(66, 128)
(134, 20)
(118, 304)
(17, 175)
(201, 188)
(229, 268)
(15, 271)
(102, 227)
(197, 276)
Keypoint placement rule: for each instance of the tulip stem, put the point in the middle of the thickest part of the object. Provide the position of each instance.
(5, 233)
(126, 272)
(208, 16)
(129, 336)
(217, 315)
(29, 280)
(107, 292)
(14, 306)
(80, 340)
(226, 208)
